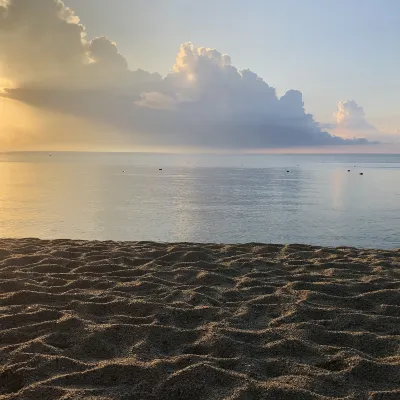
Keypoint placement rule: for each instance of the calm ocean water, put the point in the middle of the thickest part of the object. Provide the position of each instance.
(202, 198)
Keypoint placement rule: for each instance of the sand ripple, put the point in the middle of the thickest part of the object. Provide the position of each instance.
(125, 320)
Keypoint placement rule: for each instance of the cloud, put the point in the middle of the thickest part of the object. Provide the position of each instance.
(205, 101)
(105, 54)
(351, 121)
(351, 116)
(156, 100)
(39, 41)
(43, 45)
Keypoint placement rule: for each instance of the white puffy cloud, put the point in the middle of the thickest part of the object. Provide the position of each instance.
(351, 121)
(204, 101)
(212, 85)
(191, 59)
(351, 116)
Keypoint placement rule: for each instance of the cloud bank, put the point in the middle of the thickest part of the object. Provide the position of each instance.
(205, 101)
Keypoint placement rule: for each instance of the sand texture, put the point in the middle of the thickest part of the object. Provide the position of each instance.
(140, 320)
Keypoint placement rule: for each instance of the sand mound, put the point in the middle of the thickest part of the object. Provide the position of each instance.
(108, 320)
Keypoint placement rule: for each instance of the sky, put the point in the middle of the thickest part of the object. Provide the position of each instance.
(213, 74)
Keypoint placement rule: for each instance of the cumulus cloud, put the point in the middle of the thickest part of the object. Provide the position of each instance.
(39, 40)
(105, 53)
(351, 116)
(43, 45)
(352, 121)
(204, 101)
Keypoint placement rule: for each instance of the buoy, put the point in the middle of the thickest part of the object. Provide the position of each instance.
(160, 169)
(361, 173)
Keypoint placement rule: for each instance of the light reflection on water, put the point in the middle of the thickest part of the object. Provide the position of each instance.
(203, 199)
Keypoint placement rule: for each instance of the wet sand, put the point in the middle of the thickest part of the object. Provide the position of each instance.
(140, 320)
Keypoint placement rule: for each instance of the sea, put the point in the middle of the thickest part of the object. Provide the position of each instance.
(327, 200)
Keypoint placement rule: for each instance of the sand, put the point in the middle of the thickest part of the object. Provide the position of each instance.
(141, 320)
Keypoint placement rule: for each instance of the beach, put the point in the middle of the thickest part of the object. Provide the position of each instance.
(143, 320)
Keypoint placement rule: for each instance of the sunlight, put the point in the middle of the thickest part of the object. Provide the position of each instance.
(5, 84)
(191, 77)
(15, 119)
(27, 128)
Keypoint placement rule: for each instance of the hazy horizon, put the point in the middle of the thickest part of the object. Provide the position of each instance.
(337, 150)
(68, 86)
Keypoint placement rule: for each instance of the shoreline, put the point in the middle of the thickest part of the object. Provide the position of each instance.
(147, 320)
(58, 241)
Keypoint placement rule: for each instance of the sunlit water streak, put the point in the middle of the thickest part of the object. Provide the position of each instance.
(202, 198)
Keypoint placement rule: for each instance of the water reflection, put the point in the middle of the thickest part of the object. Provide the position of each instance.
(117, 198)
(192, 204)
